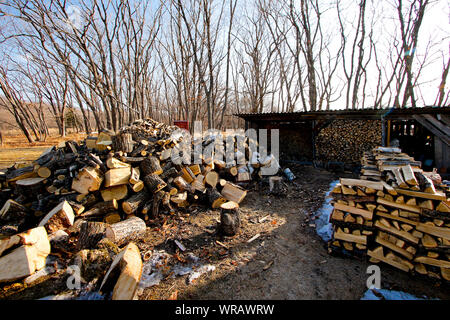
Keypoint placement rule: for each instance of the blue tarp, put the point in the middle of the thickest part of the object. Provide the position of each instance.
(391, 295)
(323, 226)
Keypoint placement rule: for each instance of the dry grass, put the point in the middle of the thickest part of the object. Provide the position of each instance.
(16, 148)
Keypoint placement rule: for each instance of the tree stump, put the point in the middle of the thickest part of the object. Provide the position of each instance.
(230, 220)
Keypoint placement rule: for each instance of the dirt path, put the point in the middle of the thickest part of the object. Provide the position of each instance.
(287, 261)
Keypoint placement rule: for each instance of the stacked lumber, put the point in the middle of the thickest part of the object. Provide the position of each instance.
(112, 186)
(347, 140)
(410, 214)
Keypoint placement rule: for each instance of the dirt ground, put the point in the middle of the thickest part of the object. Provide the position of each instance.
(287, 261)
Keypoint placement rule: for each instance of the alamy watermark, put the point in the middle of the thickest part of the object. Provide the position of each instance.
(374, 280)
(229, 146)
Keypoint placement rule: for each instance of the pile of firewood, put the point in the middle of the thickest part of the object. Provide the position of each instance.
(347, 140)
(111, 186)
(396, 213)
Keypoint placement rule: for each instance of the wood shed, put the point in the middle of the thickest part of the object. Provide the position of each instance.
(421, 132)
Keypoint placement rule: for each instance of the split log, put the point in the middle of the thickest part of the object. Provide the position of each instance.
(90, 234)
(117, 192)
(124, 274)
(131, 229)
(229, 218)
(113, 163)
(136, 201)
(408, 175)
(26, 259)
(116, 177)
(215, 198)
(233, 192)
(61, 217)
(154, 183)
(135, 174)
(88, 180)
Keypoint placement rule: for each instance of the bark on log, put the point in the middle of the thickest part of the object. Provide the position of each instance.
(123, 142)
(131, 229)
(230, 220)
(90, 234)
(154, 183)
(151, 165)
(136, 201)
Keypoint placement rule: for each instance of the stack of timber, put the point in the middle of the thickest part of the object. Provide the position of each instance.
(409, 210)
(112, 186)
(347, 140)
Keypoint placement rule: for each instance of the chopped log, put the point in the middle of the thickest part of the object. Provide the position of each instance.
(157, 199)
(59, 218)
(195, 169)
(243, 177)
(101, 208)
(124, 274)
(12, 211)
(339, 235)
(88, 179)
(123, 142)
(433, 262)
(169, 173)
(22, 173)
(215, 198)
(154, 183)
(135, 202)
(187, 174)
(116, 177)
(409, 176)
(131, 229)
(150, 166)
(377, 185)
(90, 234)
(233, 192)
(399, 179)
(113, 163)
(117, 192)
(230, 220)
(44, 172)
(435, 231)
(76, 207)
(137, 187)
(141, 146)
(407, 207)
(364, 213)
(26, 259)
(428, 241)
(198, 183)
(135, 174)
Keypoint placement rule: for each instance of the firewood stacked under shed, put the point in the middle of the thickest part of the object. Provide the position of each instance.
(395, 213)
(111, 187)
